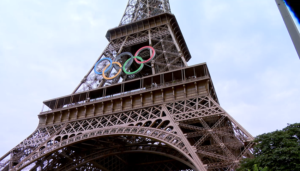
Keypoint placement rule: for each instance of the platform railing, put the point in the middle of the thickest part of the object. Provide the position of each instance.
(152, 87)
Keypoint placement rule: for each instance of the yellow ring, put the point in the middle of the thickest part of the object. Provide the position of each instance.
(104, 69)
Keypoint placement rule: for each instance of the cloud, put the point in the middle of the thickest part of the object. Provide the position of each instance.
(251, 59)
(45, 49)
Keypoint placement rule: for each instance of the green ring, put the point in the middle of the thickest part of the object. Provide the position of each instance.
(136, 71)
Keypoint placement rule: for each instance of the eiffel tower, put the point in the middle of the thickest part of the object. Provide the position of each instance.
(147, 111)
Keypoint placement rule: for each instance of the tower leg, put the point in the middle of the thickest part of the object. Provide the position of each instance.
(198, 164)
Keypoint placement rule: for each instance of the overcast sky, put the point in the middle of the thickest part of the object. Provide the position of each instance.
(46, 47)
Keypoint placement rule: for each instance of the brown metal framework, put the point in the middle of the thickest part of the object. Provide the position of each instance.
(167, 117)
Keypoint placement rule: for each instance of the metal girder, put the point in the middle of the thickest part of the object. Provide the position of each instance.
(141, 9)
(161, 123)
(167, 117)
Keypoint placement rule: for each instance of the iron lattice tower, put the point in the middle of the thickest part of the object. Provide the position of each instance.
(165, 117)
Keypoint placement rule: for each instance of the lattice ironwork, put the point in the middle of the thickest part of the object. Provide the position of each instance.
(141, 9)
(175, 123)
(164, 136)
(168, 56)
(217, 140)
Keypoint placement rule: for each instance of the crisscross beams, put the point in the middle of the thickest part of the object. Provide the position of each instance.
(168, 138)
(161, 150)
(123, 118)
(141, 9)
(194, 108)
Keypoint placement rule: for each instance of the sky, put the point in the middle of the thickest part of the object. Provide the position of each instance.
(46, 47)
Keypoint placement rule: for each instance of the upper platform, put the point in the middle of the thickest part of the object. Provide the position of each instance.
(145, 24)
(148, 23)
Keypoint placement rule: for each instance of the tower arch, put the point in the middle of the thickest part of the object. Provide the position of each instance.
(153, 135)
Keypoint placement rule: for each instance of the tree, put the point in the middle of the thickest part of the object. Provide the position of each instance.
(256, 168)
(278, 150)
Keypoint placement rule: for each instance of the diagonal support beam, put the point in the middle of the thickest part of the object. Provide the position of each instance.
(197, 162)
(217, 156)
(216, 138)
(99, 166)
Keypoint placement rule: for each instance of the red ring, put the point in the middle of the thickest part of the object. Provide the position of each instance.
(136, 53)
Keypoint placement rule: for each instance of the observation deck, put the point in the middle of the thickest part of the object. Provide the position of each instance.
(192, 81)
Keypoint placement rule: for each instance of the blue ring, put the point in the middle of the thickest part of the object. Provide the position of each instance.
(107, 70)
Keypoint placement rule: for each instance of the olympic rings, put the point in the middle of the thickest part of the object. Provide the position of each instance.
(117, 66)
(136, 71)
(119, 57)
(104, 76)
(107, 70)
(148, 60)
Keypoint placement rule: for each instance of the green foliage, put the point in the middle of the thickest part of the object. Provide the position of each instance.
(278, 150)
(256, 168)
